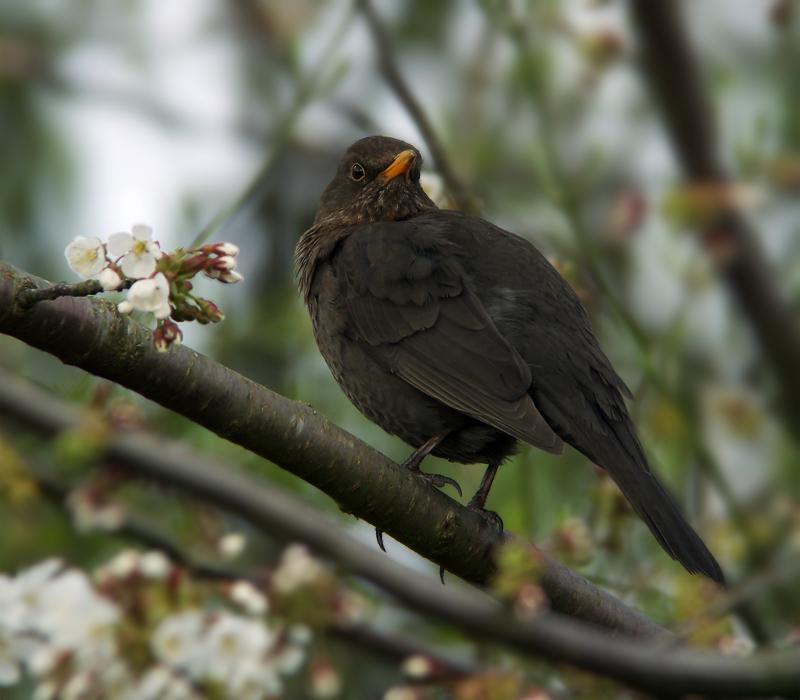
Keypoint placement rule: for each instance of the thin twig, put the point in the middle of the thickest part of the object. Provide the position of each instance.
(383, 44)
(28, 297)
(93, 335)
(391, 646)
(648, 666)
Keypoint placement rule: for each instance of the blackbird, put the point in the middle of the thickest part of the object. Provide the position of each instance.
(461, 339)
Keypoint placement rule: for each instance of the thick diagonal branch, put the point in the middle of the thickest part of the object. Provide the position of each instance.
(675, 78)
(91, 334)
(645, 665)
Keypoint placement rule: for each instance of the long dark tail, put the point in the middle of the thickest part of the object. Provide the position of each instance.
(626, 463)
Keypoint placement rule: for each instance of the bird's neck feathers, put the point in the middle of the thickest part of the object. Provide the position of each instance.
(315, 244)
(330, 227)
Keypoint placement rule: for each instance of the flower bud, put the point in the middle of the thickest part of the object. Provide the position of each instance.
(226, 262)
(227, 249)
(231, 277)
(109, 280)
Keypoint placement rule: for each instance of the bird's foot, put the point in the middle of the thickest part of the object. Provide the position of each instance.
(439, 480)
(488, 515)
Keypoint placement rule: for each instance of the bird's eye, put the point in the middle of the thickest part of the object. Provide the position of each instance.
(357, 172)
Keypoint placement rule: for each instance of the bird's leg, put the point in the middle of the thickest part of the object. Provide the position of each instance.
(415, 459)
(478, 501)
(412, 464)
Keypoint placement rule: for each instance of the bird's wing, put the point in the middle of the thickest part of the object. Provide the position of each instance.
(408, 298)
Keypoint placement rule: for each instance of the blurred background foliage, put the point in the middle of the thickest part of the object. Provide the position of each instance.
(166, 112)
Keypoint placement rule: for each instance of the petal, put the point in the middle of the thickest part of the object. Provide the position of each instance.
(94, 267)
(9, 672)
(163, 311)
(109, 280)
(162, 285)
(138, 266)
(119, 244)
(154, 250)
(85, 256)
(142, 232)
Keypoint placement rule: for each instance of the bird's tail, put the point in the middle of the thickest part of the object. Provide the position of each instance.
(653, 503)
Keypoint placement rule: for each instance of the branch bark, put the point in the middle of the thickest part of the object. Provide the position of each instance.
(394, 647)
(674, 75)
(91, 334)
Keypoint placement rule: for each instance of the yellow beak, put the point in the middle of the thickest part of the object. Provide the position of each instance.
(399, 166)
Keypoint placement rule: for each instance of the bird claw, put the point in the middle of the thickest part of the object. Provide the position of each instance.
(440, 480)
(379, 537)
(489, 515)
(441, 574)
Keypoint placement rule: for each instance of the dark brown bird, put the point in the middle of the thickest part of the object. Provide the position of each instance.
(461, 339)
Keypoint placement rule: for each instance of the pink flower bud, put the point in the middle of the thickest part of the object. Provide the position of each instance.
(227, 249)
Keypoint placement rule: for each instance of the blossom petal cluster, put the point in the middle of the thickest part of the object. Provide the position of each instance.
(158, 283)
(51, 617)
(135, 632)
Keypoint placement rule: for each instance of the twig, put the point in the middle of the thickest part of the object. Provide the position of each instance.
(383, 44)
(394, 647)
(28, 297)
(647, 666)
(94, 336)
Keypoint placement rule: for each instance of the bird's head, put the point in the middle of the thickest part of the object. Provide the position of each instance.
(377, 180)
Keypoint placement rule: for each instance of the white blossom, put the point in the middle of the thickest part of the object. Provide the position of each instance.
(176, 640)
(109, 280)
(77, 687)
(400, 692)
(85, 256)
(22, 600)
(160, 683)
(155, 565)
(417, 666)
(76, 617)
(231, 641)
(232, 544)
(290, 659)
(300, 634)
(45, 659)
(248, 597)
(45, 691)
(151, 294)
(124, 564)
(14, 650)
(137, 252)
(92, 515)
(325, 681)
(296, 568)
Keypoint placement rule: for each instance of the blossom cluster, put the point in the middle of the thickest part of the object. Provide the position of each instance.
(157, 282)
(140, 630)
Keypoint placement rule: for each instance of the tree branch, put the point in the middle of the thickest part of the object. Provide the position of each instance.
(675, 78)
(394, 647)
(91, 334)
(647, 666)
